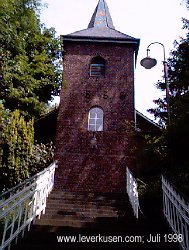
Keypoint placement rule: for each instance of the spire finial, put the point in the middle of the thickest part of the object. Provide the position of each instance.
(101, 16)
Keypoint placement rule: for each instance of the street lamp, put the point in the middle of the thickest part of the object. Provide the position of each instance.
(149, 63)
(94, 141)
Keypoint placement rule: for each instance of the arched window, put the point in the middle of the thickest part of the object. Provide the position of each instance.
(97, 67)
(95, 119)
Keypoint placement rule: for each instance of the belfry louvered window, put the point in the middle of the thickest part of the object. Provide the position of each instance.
(97, 67)
(95, 119)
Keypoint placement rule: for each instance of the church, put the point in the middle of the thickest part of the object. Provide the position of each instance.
(93, 142)
(97, 97)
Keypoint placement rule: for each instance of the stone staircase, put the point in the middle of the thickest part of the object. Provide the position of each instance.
(90, 214)
(80, 210)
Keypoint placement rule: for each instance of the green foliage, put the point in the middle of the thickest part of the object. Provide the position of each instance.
(153, 154)
(175, 139)
(30, 75)
(186, 2)
(149, 150)
(177, 135)
(179, 177)
(17, 137)
(42, 156)
(29, 69)
(150, 195)
(4, 115)
(178, 83)
(20, 158)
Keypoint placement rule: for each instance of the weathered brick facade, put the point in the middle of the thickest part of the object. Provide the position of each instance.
(82, 168)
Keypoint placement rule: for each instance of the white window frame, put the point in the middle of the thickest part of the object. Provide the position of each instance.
(95, 119)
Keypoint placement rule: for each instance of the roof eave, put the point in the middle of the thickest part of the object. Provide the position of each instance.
(95, 39)
(148, 119)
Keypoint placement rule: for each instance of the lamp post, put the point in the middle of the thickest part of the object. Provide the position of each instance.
(94, 141)
(149, 63)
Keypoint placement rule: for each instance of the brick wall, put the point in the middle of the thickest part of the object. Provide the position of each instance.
(80, 167)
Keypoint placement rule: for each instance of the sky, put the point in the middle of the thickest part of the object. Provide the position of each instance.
(149, 20)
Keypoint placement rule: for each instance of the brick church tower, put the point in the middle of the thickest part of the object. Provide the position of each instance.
(97, 97)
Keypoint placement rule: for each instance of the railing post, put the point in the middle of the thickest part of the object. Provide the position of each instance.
(176, 211)
(132, 192)
(27, 199)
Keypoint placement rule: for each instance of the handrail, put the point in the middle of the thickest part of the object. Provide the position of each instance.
(29, 180)
(23, 205)
(132, 191)
(176, 211)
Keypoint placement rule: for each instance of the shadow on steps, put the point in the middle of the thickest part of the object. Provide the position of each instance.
(106, 221)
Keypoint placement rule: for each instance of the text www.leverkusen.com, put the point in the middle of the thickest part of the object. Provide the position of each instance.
(100, 239)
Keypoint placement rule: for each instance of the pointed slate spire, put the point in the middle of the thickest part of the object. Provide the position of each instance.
(101, 16)
(101, 29)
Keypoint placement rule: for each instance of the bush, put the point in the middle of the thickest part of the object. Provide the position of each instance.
(17, 138)
(43, 156)
(19, 157)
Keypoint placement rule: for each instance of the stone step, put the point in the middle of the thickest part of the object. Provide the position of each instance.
(86, 216)
(72, 195)
(84, 222)
(96, 214)
(80, 202)
(89, 202)
(63, 222)
(88, 196)
(78, 207)
(88, 207)
(76, 210)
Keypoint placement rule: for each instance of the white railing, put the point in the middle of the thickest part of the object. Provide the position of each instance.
(22, 204)
(132, 192)
(176, 211)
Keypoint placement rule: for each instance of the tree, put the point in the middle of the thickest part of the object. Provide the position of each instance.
(29, 68)
(17, 138)
(30, 75)
(187, 4)
(20, 158)
(176, 134)
(178, 83)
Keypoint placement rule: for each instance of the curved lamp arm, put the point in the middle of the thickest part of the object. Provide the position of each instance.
(149, 62)
(164, 58)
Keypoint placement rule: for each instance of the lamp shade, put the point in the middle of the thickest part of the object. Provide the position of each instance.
(148, 62)
(93, 142)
